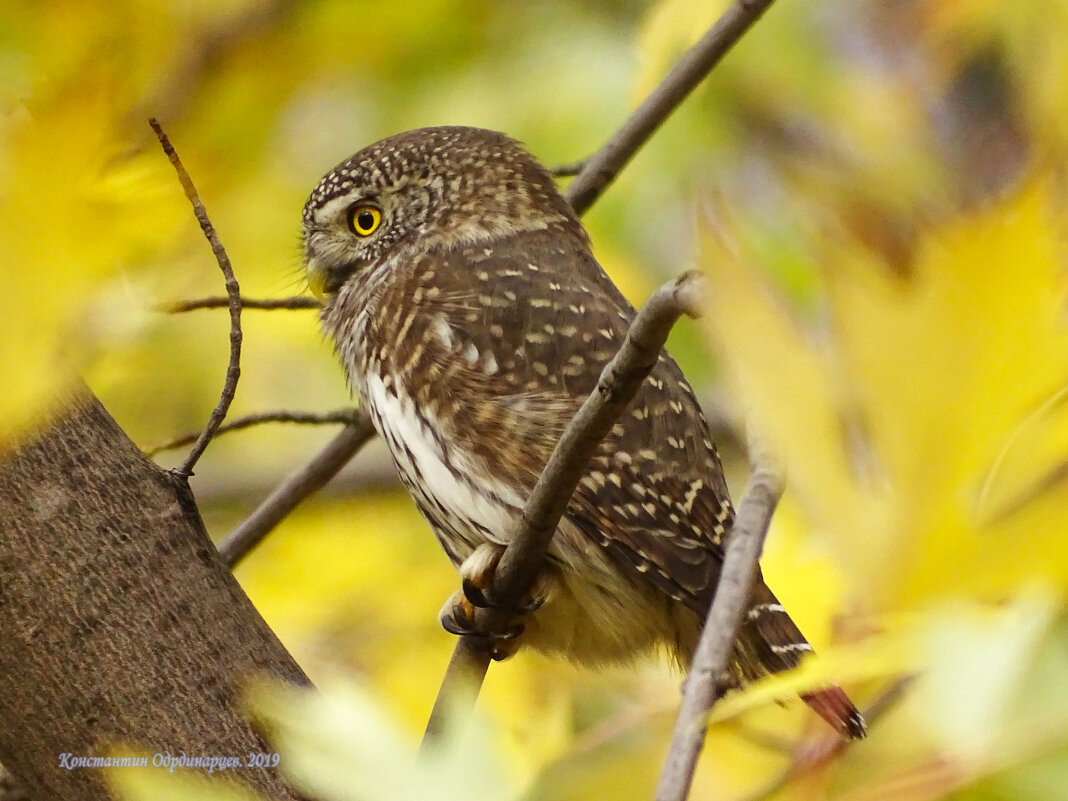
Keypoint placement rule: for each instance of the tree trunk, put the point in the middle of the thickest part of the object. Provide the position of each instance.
(118, 621)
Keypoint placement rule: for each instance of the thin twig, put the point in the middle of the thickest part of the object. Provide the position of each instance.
(834, 746)
(1022, 499)
(603, 167)
(709, 678)
(522, 559)
(238, 423)
(270, 304)
(233, 294)
(298, 486)
(568, 170)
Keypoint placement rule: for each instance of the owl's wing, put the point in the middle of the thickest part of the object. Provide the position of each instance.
(513, 338)
(509, 340)
(651, 533)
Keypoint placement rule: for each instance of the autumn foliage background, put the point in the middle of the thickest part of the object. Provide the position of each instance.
(877, 193)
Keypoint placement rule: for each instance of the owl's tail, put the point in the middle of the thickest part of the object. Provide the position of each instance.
(770, 642)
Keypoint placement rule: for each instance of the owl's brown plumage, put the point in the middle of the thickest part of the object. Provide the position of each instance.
(473, 320)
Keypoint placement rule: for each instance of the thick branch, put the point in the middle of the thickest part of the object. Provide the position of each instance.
(602, 168)
(118, 621)
(233, 294)
(522, 559)
(709, 677)
(288, 495)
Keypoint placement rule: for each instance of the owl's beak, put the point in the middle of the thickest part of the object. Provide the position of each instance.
(316, 273)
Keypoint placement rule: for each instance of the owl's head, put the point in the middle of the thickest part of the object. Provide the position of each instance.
(419, 190)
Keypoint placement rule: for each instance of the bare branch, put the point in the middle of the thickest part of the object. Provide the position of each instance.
(269, 304)
(709, 677)
(602, 168)
(233, 294)
(288, 495)
(523, 557)
(238, 423)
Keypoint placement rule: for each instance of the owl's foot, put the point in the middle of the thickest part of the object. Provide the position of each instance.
(458, 617)
(476, 573)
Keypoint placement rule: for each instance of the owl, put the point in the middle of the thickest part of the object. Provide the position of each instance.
(473, 320)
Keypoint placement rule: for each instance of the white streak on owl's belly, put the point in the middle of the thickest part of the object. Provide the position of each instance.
(463, 518)
(588, 615)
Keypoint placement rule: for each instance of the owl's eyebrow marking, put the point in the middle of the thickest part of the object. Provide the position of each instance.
(338, 206)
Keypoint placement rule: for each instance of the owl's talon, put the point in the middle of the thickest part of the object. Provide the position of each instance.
(457, 617)
(450, 625)
(502, 650)
(511, 633)
(478, 597)
(533, 604)
(475, 594)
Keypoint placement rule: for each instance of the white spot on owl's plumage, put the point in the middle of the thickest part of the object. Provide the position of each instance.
(440, 329)
(421, 460)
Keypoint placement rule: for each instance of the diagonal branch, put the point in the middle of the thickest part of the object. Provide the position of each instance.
(522, 559)
(602, 168)
(308, 479)
(233, 293)
(709, 678)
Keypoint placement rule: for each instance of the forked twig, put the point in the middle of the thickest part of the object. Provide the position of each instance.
(522, 559)
(709, 678)
(233, 294)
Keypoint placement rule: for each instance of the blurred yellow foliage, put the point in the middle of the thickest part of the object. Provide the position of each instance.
(926, 437)
(888, 310)
(904, 433)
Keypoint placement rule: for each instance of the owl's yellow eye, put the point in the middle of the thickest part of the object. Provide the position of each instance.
(364, 220)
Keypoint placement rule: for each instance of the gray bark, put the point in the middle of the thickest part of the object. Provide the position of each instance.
(118, 620)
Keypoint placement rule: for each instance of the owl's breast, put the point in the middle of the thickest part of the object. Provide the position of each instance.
(455, 490)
